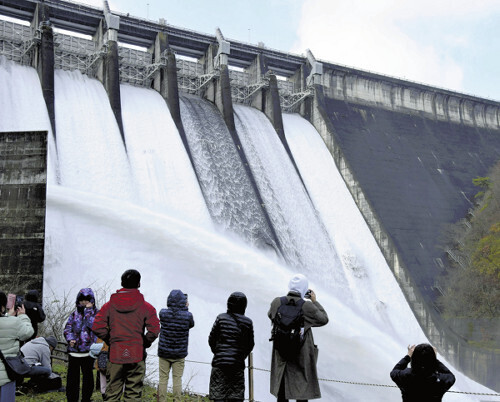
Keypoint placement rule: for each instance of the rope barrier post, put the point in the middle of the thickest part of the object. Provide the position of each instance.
(250, 377)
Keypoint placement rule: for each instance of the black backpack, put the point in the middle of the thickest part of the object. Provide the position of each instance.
(287, 324)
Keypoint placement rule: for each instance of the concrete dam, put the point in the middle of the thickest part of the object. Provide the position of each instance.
(407, 152)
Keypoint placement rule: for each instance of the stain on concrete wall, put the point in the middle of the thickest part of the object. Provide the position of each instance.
(23, 178)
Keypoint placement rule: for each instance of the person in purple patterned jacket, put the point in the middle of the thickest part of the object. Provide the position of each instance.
(79, 335)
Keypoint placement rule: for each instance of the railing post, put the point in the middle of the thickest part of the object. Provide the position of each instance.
(250, 377)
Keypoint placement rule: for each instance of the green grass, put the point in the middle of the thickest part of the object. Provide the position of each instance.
(149, 393)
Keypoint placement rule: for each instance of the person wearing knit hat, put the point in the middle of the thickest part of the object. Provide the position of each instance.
(296, 377)
(52, 341)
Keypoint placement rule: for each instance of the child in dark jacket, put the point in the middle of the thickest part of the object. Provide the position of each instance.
(176, 321)
(79, 335)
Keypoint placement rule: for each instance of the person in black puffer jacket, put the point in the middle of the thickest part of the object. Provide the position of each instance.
(176, 321)
(34, 310)
(231, 341)
(426, 380)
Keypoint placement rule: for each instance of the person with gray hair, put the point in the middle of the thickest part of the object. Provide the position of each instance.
(294, 376)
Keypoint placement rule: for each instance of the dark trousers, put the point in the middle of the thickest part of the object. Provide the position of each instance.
(228, 400)
(37, 372)
(281, 393)
(75, 365)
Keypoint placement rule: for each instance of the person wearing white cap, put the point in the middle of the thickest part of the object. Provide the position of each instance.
(296, 377)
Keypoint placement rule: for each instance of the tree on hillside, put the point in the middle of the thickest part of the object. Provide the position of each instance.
(472, 286)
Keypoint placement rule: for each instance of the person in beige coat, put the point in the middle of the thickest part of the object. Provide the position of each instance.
(14, 327)
(298, 378)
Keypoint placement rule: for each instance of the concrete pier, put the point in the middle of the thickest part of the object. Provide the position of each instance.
(108, 70)
(272, 109)
(166, 84)
(43, 58)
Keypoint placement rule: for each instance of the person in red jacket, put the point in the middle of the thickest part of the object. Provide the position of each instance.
(122, 323)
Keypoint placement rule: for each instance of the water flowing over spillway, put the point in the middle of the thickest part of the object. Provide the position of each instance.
(227, 188)
(161, 168)
(363, 263)
(20, 86)
(14, 100)
(97, 229)
(305, 243)
(91, 153)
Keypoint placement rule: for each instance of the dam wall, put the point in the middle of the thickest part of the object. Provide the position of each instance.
(411, 176)
(23, 178)
(405, 96)
(408, 152)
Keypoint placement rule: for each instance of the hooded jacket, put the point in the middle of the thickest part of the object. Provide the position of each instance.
(79, 325)
(37, 351)
(121, 324)
(34, 310)
(176, 321)
(231, 338)
(415, 388)
(301, 376)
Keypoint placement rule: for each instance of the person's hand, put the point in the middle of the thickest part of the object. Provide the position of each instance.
(72, 343)
(21, 310)
(12, 311)
(313, 296)
(410, 350)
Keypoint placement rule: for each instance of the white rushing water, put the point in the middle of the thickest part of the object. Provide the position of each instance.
(365, 266)
(228, 191)
(305, 242)
(19, 87)
(91, 153)
(160, 165)
(96, 230)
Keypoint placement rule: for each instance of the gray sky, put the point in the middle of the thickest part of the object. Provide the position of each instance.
(451, 44)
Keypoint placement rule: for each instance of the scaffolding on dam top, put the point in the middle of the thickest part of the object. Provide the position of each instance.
(72, 53)
(191, 77)
(17, 42)
(290, 101)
